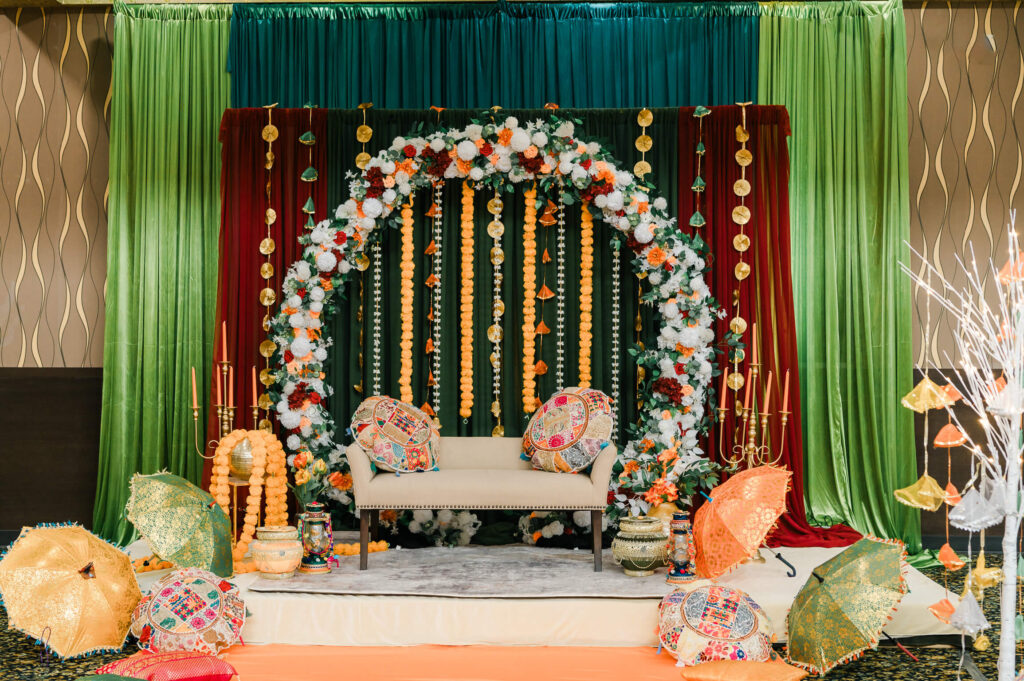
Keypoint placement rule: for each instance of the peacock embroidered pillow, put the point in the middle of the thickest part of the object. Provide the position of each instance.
(397, 436)
(569, 431)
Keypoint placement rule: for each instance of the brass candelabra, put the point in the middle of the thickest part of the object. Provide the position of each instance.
(751, 441)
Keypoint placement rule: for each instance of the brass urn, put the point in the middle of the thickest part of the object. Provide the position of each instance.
(641, 546)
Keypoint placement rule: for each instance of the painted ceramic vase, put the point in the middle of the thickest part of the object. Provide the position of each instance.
(640, 546)
(317, 538)
(277, 551)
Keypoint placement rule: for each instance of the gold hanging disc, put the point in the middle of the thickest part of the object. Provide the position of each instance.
(266, 322)
(741, 187)
(269, 132)
(741, 242)
(498, 431)
(267, 297)
(268, 348)
(497, 256)
(744, 157)
(267, 425)
(495, 229)
(735, 380)
(266, 378)
(644, 143)
(494, 206)
(742, 270)
(362, 158)
(741, 215)
(266, 270)
(362, 262)
(270, 217)
(644, 118)
(494, 333)
(738, 325)
(364, 133)
(741, 134)
(264, 401)
(499, 308)
(641, 168)
(267, 246)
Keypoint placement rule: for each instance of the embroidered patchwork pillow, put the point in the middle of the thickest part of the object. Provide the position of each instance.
(189, 610)
(397, 436)
(569, 430)
(177, 666)
(714, 622)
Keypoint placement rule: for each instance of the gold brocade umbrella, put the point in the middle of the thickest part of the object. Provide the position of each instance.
(926, 395)
(69, 589)
(182, 523)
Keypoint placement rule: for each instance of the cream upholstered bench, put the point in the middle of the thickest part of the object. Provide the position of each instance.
(479, 473)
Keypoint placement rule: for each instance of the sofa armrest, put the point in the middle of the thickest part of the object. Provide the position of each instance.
(601, 471)
(362, 470)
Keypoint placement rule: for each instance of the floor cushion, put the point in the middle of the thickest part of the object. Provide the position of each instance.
(397, 436)
(569, 430)
(174, 666)
(733, 670)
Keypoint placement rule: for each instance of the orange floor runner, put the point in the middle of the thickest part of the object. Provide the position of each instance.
(449, 663)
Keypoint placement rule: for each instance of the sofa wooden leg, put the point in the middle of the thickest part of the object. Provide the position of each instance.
(596, 520)
(364, 538)
(375, 524)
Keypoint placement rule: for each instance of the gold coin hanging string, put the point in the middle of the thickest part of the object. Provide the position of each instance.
(363, 135)
(495, 333)
(268, 294)
(741, 243)
(643, 142)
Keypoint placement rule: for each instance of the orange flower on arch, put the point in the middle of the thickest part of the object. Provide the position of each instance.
(656, 256)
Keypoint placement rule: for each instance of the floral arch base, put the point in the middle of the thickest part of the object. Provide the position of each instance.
(663, 457)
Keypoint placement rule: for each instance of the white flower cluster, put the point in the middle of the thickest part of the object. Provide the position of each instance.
(491, 153)
(445, 528)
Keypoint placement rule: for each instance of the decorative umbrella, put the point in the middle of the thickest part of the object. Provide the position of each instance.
(925, 493)
(926, 395)
(69, 589)
(739, 514)
(842, 608)
(182, 523)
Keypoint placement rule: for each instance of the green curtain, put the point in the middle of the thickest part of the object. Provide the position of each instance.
(615, 127)
(475, 55)
(169, 91)
(840, 68)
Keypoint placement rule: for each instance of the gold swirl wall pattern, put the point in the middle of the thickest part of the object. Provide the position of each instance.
(55, 75)
(965, 81)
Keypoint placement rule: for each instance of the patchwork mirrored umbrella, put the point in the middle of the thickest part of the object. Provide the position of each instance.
(737, 517)
(68, 589)
(182, 523)
(841, 610)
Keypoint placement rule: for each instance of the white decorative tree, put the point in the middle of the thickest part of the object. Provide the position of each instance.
(990, 341)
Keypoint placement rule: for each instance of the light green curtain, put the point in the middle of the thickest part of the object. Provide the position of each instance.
(841, 69)
(170, 88)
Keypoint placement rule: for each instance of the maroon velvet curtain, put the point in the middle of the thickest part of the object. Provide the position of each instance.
(766, 296)
(243, 227)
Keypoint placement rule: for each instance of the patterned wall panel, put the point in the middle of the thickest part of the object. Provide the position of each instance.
(966, 89)
(55, 76)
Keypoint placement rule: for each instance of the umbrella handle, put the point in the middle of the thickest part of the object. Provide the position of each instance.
(792, 570)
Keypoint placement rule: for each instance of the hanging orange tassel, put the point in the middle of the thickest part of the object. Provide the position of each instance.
(546, 257)
(540, 368)
(542, 328)
(545, 293)
(430, 315)
(432, 212)
(430, 346)
(430, 380)
(432, 280)
(547, 219)
(431, 248)
(427, 410)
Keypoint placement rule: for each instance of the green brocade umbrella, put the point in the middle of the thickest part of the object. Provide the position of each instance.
(182, 523)
(841, 610)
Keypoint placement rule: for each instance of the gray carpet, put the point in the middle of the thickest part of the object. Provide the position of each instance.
(515, 571)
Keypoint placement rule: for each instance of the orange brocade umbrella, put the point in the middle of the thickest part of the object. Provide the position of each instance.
(732, 525)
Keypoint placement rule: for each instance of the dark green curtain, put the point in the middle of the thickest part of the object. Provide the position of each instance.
(417, 55)
(161, 245)
(840, 69)
(616, 128)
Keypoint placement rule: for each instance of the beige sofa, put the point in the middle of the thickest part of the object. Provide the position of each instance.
(478, 473)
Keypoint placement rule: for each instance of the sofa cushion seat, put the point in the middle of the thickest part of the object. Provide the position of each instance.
(480, 488)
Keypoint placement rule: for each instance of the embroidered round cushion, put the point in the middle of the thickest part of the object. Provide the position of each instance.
(569, 430)
(397, 436)
(189, 609)
(714, 622)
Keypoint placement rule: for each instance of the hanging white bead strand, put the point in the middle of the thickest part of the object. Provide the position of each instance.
(375, 251)
(560, 298)
(616, 353)
(437, 298)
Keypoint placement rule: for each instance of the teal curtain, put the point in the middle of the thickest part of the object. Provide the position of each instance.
(840, 69)
(615, 127)
(169, 91)
(475, 55)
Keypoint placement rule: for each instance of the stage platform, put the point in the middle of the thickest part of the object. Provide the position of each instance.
(513, 595)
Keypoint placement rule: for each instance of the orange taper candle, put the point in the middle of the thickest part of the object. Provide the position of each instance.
(224, 341)
(724, 373)
(785, 393)
(231, 386)
(254, 395)
(195, 399)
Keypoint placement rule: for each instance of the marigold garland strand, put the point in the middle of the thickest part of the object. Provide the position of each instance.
(408, 269)
(530, 300)
(466, 304)
(586, 294)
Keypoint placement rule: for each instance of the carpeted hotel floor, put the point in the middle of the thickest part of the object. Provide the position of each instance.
(20, 657)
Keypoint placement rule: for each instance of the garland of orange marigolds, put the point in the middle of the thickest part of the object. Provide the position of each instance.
(408, 268)
(530, 301)
(586, 294)
(466, 306)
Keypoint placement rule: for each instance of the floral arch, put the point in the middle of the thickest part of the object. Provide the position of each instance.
(664, 452)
